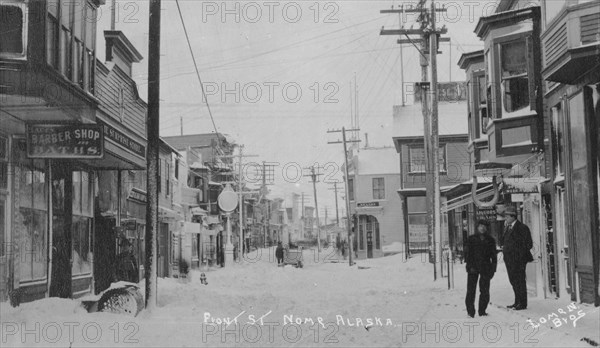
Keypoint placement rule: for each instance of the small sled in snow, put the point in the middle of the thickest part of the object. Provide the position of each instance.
(293, 257)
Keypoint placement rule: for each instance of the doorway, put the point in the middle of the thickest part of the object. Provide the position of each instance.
(62, 211)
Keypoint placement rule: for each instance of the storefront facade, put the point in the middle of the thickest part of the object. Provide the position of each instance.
(571, 47)
(47, 183)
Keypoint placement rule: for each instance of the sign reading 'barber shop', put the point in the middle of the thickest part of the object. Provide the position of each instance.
(84, 141)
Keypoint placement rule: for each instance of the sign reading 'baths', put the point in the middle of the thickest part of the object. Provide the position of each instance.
(65, 141)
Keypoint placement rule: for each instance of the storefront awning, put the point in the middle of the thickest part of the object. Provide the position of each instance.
(213, 220)
(197, 211)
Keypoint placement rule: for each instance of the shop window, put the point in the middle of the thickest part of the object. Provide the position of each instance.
(13, 29)
(378, 188)
(33, 221)
(83, 193)
(558, 131)
(514, 75)
(361, 234)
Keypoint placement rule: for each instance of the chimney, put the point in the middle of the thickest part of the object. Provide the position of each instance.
(120, 51)
(366, 140)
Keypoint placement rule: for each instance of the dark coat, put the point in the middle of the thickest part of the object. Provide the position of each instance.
(517, 243)
(279, 252)
(480, 255)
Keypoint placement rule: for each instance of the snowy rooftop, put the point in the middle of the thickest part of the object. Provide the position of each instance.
(378, 161)
(408, 120)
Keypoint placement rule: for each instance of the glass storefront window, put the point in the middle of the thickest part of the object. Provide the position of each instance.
(82, 222)
(32, 220)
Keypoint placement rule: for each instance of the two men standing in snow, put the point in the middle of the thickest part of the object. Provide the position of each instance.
(480, 256)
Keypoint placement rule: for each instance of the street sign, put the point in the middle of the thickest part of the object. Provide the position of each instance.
(228, 199)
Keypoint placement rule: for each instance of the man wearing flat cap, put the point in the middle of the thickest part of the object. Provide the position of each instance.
(516, 250)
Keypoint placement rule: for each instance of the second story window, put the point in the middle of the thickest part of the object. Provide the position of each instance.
(378, 188)
(514, 75)
(13, 29)
(418, 160)
(70, 40)
(482, 101)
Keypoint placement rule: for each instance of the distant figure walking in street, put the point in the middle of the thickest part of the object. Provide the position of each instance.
(516, 250)
(480, 256)
(279, 254)
(344, 249)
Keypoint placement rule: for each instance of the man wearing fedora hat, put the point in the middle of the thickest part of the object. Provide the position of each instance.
(516, 250)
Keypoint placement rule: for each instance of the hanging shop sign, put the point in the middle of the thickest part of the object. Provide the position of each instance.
(487, 214)
(129, 224)
(367, 204)
(137, 195)
(123, 140)
(83, 141)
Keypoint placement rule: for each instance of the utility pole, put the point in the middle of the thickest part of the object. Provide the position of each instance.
(152, 158)
(303, 199)
(241, 193)
(346, 178)
(314, 178)
(428, 51)
(337, 213)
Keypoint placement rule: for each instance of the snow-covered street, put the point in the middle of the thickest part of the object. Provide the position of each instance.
(383, 302)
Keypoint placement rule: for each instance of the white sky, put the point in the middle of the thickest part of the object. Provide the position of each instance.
(278, 48)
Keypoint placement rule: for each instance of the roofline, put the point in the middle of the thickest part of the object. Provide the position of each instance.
(412, 138)
(470, 58)
(504, 19)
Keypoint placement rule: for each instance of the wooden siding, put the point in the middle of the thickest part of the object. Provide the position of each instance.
(590, 28)
(555, 44)
(108, 85)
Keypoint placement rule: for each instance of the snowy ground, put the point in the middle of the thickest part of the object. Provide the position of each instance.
(383, 302)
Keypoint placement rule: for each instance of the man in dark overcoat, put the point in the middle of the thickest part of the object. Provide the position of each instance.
(517, 253)
(481, 259)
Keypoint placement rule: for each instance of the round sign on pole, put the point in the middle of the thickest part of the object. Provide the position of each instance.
(228, 199)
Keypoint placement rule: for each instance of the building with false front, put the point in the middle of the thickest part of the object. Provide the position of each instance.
(534, 128)
(456, 222)
(73, 147)
(373, 181)
(571, 79)
(208, 158)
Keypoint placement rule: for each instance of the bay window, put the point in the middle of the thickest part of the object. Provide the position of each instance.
(13, 29)
(514, 75)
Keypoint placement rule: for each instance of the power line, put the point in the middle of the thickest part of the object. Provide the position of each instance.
(197, 71)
